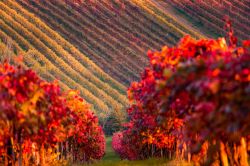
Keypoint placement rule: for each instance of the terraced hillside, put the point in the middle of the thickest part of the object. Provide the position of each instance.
(97, 47)
(114, 34)
(53, 57)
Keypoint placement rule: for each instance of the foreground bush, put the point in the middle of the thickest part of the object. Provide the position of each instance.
(36, 116)
(192, 100)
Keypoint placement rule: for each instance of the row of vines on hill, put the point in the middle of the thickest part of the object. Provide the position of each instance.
(191, 103)
(39, 124)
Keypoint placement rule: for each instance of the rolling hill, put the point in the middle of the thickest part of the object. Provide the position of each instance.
(99, 46)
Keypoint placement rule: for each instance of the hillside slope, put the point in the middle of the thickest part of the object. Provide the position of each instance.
(114, 34)
(96, 47)
(55, 58)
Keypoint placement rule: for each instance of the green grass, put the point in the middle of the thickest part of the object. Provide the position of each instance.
(110, 155)
(112, 159)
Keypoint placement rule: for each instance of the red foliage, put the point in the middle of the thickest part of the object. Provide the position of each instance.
(200, 89)
(34, 111)
(30, 107)
(87, 136)
(117, 144)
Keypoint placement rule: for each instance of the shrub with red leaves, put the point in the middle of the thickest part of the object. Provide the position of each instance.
(87, 137)
(34, 111)
(199, 91)
(117, 143)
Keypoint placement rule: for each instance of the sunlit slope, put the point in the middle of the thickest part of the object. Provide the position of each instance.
(115, 34)
(98, 47)
(53, 57)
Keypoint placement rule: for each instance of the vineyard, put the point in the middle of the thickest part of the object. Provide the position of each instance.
(122, 82)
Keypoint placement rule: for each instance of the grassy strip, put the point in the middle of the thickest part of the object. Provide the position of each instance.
(112, 159)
